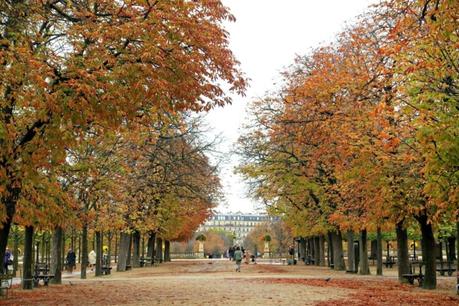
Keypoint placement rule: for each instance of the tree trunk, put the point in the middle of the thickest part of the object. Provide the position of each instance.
(151, 247)
(27, 259)
(316, 250)
(99, 243)
(379, 251)
(159, 249)
(302, 249)
(56, 258)
(109, 252)
(457, 253)
(84, 251)
(350, 251)
(116, 247)
(363, 254)
(331, 261)
(129, 253)
(63, 250)
(143, 248)
(428, 253)
(322, 250)
(123, 251)
(136, 251)
(402, 252)
(452, 248)
(15, 250)
(43, 247)
(338, 256)
(439, 256)
(167, 251)
(79, 248)
(10, 205)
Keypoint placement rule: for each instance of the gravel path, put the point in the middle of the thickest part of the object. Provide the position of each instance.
(205, 282)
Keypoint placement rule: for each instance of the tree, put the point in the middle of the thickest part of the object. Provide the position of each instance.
(104, 64)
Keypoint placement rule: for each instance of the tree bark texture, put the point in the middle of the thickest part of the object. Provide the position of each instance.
(457, 253)
(56, 258)
(27, 282)
(15, 251)
(302, 249)
(350, 251)
(99, 243)
(151, 247)
(403, 264)
(129, 253)
(428, 253)
(84, 251)
(167, 251)
(364, 267)
(316, 250)
(136, 249)
(123, 252)
(330, 250)
(379, 252)
(10, 205)
(159, 249)
(338, 255)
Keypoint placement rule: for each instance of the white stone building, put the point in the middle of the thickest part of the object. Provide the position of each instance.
(238, 223)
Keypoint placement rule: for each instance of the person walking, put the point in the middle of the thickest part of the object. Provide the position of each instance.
(238, 259)
(92, 259)
(7, 260)
(71, 260)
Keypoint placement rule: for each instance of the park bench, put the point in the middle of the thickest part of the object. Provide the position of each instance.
(145, 261)
(309, 260)
(389, 262)
(41, 272)
(156, 261)
(106, 270)
(448, 267)
(6, 282)
(372, 258)
(410, 277)
(291, 261)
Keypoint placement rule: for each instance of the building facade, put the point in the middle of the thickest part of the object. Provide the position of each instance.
(238, 223)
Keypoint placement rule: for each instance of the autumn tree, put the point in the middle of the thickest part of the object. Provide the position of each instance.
(350, 137)
(66, 65)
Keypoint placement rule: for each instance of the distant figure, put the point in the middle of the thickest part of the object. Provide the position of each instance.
(247, 257)
(7, 260)
(92, 259)
(231, 253)
(71, 260)
(238, 259)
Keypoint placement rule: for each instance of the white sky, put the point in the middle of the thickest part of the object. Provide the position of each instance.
(265, 38)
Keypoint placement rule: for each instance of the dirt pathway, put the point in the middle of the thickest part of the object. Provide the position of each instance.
(216, 283)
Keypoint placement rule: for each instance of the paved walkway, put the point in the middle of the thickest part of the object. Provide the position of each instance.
(214, 282)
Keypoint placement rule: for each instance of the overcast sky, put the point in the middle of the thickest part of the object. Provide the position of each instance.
(265, 38)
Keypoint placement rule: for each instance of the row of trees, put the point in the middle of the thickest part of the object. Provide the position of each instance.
(365, 134)
(278, 234)
(95, 126)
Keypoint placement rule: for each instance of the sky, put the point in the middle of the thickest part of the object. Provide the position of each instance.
(266, 37)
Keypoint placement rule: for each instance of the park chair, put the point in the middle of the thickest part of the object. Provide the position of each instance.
(6, 283)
